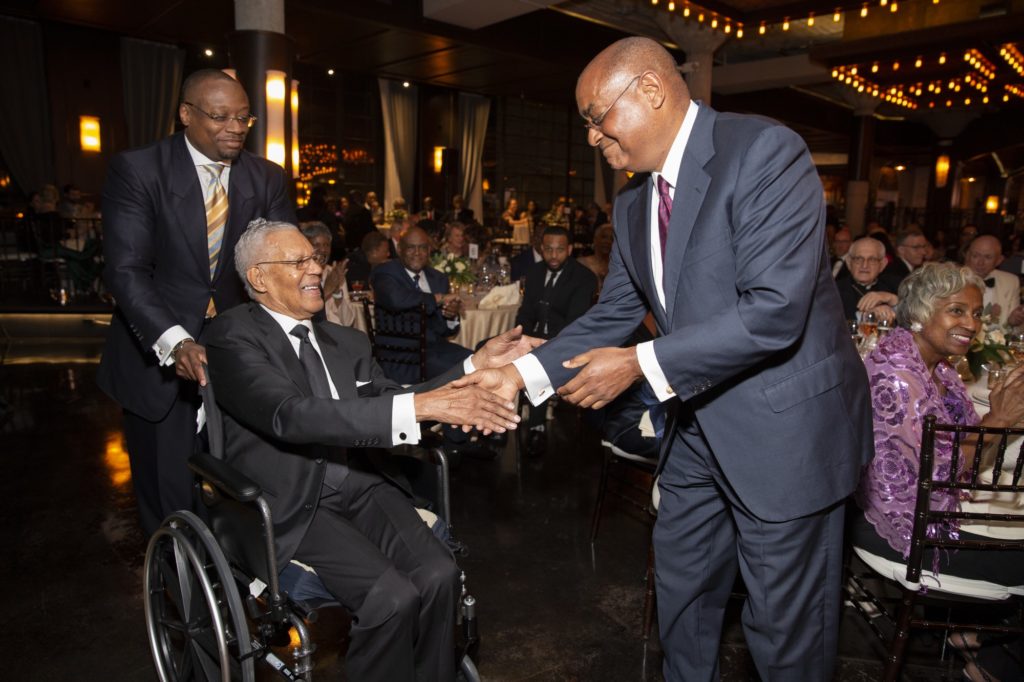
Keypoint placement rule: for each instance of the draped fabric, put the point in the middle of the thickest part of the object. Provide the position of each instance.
(25, 133)
(398, 106)
(151, 75)
(473, 112)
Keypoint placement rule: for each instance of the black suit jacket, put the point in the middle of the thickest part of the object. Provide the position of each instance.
(521, 263)
(571, 295)
(394, 291)
(850, 293)
(276, 431)
(157, 263)
(895, 272)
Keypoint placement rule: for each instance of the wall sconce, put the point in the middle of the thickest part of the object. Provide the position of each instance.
(89, 133)
(275, 116)
(941, 170)
(992, 204)
(295, 128)
(438, 159)
(487, 185)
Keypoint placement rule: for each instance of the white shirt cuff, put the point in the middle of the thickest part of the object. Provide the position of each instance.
(538, 385)
(166, 343)
(404, 428)
(467, 365)
(652, 371)
(452, 324)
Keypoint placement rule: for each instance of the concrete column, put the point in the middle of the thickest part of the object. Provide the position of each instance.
(700, 42)
(259, 15)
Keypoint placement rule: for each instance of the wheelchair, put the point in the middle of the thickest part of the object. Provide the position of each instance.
(216, 603)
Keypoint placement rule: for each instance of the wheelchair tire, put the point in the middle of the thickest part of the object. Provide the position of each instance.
(194, 616)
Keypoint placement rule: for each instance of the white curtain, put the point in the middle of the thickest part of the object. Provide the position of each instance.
(473, 112)
(398, 106)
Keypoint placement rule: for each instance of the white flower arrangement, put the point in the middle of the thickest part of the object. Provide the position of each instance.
(454, 267)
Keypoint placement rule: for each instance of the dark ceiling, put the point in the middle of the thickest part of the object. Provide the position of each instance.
(539, 52)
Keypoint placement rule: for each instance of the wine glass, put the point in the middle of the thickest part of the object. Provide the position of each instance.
(884, 327)
(1015, 343)
(868, 324)
(357, 287)
(854, 329)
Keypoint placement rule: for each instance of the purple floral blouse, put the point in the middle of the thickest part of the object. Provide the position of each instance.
(902, 395)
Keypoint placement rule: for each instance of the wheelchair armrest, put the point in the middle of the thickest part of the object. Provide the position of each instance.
(225, 477)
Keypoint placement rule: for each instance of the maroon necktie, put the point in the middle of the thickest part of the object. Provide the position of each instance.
(664, 212)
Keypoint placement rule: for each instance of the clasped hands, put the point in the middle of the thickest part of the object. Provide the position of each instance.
(604, 374)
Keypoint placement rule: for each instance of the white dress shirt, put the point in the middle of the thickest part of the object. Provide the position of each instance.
(404, 428)
(174, 335)
(538, 385)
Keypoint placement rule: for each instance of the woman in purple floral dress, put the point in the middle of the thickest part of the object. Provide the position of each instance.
(938, 314)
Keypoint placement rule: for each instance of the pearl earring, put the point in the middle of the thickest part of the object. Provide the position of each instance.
(916, 327)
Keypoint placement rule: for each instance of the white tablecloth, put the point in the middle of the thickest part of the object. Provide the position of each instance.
(477, 325)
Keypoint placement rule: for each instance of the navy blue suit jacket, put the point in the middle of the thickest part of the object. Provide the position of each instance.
(394, 291)
(752, 333)
(157, 263)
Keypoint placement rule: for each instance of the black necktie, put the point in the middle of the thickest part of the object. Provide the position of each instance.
(990, 282)
(416, 281)
(311, 363)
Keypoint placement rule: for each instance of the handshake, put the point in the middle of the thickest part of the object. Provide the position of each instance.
(486, 399)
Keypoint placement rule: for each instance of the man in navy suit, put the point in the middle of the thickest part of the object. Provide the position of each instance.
(402, 285)
(169, 252)
(769, 417)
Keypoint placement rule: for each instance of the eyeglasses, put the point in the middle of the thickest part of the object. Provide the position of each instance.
(223, 119)
(299, 264)
(595, 122)
(858, 260)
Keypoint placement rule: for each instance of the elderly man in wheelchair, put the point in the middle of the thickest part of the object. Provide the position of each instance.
(299, 398)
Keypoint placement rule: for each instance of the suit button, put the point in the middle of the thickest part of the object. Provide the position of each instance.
(669, 390)
(307, 507)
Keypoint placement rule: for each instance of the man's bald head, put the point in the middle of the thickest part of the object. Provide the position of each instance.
(198, 80)
(984, 255)
(634, 100)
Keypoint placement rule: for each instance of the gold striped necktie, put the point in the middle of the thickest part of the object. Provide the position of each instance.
(216, 219)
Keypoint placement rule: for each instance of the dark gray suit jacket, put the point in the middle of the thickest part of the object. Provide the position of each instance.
(157, 263)
(752, 334)
(276, 431)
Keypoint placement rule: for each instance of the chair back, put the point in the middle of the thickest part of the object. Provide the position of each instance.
(987, 468)
(398, 337)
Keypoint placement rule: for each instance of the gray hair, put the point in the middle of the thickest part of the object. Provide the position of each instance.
(249, 248)
(923, 287)
(314, 228)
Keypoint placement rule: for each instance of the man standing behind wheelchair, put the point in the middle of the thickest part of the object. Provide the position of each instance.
(296, 394)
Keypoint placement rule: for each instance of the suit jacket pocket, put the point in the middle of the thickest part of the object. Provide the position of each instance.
(805, 384)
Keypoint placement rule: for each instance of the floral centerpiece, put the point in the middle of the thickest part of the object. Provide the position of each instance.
(396, 215)
(989, 347)
(455, 268)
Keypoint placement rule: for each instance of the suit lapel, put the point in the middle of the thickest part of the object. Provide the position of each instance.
(240, 198)
(281, 347)
(339, 363)
(188, 207)
(691, 187)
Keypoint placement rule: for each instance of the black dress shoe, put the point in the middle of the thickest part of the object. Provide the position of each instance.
(536, 443)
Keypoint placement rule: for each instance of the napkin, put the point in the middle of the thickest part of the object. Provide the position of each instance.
(499, 297)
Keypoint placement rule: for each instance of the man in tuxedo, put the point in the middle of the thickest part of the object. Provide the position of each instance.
(1002, 289)
(405, 283)
(862, 288)
(911, 248)
(769, 417)
(296, 395)
(557, 291)
(172, 213)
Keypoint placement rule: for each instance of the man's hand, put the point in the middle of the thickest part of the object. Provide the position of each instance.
(189, 361)
(606, 373)
(451, 306)
(873, 299)
(504, 381)
(1016, 317)
(467, 406)
(885, 313)
(504, 348)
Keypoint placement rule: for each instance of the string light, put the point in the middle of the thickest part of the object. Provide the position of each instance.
(1012, 55)
(942, 58)
(761, 29)
(739, 31)
(917, 63)
(864, 10)
(836, 15)
(895, 66)
(785, 24)
(810, 19)
(728, 28)
(686, 10)
(892, 7)
(671, 7)
(874, 68)
(714, 21)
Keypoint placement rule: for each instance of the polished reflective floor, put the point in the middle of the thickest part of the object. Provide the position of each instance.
(550, 606)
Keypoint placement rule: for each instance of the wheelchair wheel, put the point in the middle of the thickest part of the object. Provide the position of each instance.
(194, 616)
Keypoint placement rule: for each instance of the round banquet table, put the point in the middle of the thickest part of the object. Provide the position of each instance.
(477, 325)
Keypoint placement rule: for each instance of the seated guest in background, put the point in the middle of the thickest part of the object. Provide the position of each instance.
(1002, 290)
(70, 204)
(357, 221)
(337, 306)
(454, 242)
(316, 209)
(398, 226)
(910, 251)
(458, 213)
(840, 246)
(402, 285)
(371, 253)
(557, 291)
(595, 215)
(597, 262)
(938, 313)
(428, 218)
(373, 206)
(865, 261)
(957, 251)
(522, 262)
(557, 214)
(296, 395)
(511, 213)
